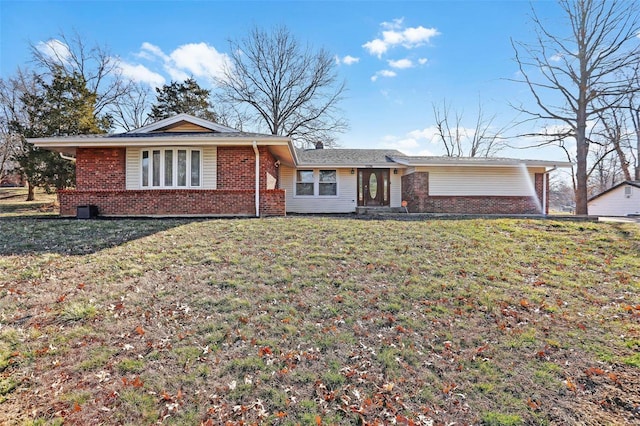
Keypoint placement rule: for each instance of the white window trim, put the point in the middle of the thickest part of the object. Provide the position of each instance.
(175, 168)
(316, 184)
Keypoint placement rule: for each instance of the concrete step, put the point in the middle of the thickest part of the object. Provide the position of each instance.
(379, 210)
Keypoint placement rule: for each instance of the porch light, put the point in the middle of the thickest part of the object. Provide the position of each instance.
(353, 171)
(395, 171)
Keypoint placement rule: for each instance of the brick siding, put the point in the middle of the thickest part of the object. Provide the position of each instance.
(100, 169)
(174, 202)
(101, 181)
(415, 190)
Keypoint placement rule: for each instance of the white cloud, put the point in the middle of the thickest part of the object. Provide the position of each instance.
(422, 61)
(347, 60)
(395, 34)
(383, 73)
(411, 144)
(376, 47)
(192, 59)
(393, 25)
(199, 59)
(150, 50)
(556, 58)
(141, 74)
(54, 49)
(401, 63)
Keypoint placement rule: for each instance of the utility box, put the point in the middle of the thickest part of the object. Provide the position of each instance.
(87, 212)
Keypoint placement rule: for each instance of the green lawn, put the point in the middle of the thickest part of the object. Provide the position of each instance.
(310, 320)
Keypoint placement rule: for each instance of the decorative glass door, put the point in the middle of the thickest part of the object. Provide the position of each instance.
(373, 187)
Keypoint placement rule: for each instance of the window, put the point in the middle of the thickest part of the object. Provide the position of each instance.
(304, 182)
(171, 168)
(312, 183)
(328, 183)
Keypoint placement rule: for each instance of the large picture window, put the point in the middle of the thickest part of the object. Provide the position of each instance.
(171, 168)
(312, 183)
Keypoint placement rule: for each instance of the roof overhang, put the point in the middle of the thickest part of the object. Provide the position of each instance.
(478, 162)
(281, 147)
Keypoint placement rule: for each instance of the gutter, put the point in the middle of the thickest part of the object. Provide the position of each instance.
(544, 189)
(255, 149)
(67, 157)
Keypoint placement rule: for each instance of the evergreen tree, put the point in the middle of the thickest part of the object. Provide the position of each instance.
(63, 107)
(186, 97)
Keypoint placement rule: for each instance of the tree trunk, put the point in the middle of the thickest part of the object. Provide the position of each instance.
(582, 152)
(30, 192)
(623, 161)
(637, 174)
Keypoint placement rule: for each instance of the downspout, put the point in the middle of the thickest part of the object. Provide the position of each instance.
(255, 149)
(66, 157)
(544, 189)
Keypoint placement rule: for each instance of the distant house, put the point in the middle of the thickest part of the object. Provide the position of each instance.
(622, 199)
(12, 178)
(186, 166)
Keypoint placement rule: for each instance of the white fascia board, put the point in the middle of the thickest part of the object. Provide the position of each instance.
(488, 163)
(137, 142)
(349, 166)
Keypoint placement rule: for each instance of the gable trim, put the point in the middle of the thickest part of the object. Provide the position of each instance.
(215, 127)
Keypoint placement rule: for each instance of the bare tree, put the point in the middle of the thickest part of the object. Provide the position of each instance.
(13, 115)
(581, 67)
(69, 55)
(131, 110)
(612, 135)
(290, 90)
(633, 103)
(483, 140)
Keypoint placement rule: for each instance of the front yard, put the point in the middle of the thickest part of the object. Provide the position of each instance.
(309, 320)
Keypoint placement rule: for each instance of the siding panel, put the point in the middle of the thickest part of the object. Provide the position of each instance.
(133, 168)
(345, 202)
(498, 181)
(616, 203)
(209, 163)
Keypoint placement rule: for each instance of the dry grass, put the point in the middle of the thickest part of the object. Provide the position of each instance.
(12, 203)
(308, 320)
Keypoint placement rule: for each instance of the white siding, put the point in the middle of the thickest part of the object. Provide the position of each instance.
(347, 198)
(344, 202)
(209, 165)
(616, 203)
(396, 188)
(461, 181)
(133, 168)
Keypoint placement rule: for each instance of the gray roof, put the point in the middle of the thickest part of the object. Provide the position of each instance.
(347, 157)
(394, 158)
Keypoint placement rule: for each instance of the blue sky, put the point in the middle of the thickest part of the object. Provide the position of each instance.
(397, 58)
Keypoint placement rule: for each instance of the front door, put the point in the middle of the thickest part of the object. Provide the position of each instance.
(373, 187)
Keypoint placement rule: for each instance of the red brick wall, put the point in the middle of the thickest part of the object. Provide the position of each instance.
(415, 190)
(101, 181)
(237, 167)
(100, 169)
(163, 202)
